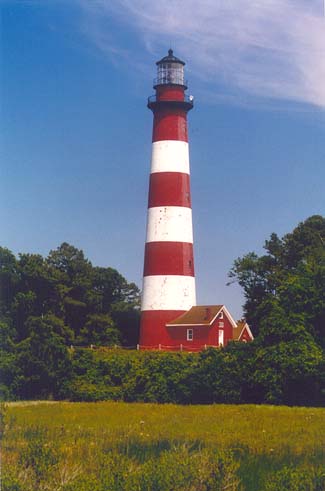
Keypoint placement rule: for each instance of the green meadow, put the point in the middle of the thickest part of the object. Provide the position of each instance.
(110, 446)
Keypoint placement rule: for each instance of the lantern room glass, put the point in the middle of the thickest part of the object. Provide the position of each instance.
(170, 73)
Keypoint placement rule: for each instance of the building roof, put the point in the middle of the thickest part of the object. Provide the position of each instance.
(200, 315)
(170, 58)
(239, 329)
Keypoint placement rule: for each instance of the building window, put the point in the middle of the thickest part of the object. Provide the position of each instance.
(221, 315)
(221, 324)
(189, 333)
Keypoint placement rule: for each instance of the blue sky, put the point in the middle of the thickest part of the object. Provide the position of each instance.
(76, 133)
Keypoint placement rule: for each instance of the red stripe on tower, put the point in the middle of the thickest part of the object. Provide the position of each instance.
(168, 280)
(169, 189)
(168, 258)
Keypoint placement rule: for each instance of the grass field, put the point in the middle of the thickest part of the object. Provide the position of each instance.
(111, 446)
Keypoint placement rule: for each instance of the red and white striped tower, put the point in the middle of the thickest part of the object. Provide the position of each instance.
(168, 282)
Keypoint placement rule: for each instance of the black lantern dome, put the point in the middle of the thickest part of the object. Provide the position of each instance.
(170, 58)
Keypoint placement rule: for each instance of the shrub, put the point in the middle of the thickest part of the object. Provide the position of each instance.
(292, 479)
(82, 390)
(181, 469)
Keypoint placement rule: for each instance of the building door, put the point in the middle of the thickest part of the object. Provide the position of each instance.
(221, 338)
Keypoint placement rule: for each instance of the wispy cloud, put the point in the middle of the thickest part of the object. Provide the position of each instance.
(271, 49)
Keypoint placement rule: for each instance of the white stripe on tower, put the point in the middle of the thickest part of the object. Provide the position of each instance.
(168, 282)
(170, 156)
(162, 292)
(169, 223)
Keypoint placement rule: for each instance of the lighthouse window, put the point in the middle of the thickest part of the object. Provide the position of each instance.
(170, 73)
(189, 335)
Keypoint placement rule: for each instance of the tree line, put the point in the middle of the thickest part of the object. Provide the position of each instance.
(47, 304)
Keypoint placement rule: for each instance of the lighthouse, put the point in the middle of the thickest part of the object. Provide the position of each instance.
(168, 278)
(170, 318)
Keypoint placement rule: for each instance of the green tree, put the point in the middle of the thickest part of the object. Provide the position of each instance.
(71, 263)
(293, 272)
(36, 276)
(223, 375)
(99, 329)
(110, 286)
(48, 304)
(9, 278)
(22, 308)
(87, 291)
(8, 363)
(43, 359)
(74, 275)
(126, 316)
(287, 359)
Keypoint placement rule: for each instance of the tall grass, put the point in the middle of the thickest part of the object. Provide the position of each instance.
(116, 446)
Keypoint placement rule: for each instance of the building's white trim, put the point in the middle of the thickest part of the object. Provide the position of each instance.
(169, 223)
(170, 156)
(249, 331)
(172, 292)
(170, 324)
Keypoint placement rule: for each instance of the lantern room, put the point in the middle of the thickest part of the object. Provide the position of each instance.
(170, 86)
(170, 71)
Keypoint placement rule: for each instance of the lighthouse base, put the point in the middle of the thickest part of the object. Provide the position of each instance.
(153, 331)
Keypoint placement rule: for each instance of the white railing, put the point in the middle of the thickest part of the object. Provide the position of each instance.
(139, 347)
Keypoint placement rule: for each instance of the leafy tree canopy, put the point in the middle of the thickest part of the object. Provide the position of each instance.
(287, 282)
(47, 304)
